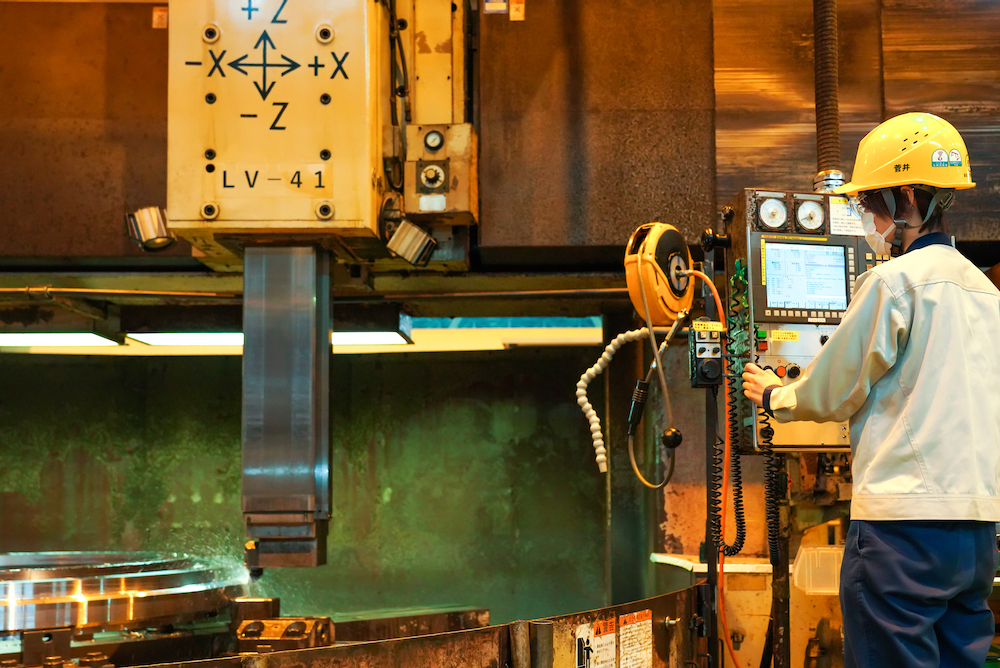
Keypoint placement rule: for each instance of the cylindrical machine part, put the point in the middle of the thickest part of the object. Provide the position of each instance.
(827, 53)
(540, 634)
(148, 228)
(520, 645)
(827, 180)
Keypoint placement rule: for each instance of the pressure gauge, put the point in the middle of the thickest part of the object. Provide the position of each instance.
(433, 140)
(773, 213)
(810, 215)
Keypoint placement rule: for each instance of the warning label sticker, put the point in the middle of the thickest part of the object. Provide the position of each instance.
(636, 639)
(785, 335)
(843, 221)
(595, 644)
(707, 326)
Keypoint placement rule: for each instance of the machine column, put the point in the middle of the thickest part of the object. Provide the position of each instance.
(286, 436)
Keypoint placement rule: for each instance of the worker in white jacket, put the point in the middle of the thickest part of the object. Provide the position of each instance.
(915, 367)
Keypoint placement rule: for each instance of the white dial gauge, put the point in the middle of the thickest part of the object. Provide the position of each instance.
(810, 215)
(773, 213)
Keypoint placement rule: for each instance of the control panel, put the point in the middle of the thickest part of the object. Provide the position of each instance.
(705, 353)
(787, 349)
(793, 265)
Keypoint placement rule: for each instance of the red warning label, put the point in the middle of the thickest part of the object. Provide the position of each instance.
(603, 627)
(635, 617)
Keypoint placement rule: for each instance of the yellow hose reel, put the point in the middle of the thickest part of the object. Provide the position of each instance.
(657, 252)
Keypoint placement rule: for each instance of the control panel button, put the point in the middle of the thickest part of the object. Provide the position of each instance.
(823, 339)
(780, 372)
(794, 371)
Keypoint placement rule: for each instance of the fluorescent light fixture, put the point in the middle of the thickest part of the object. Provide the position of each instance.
(367, 339)
(52, 339)
(189, 338)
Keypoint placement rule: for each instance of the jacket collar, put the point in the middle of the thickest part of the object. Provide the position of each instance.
(929, 239)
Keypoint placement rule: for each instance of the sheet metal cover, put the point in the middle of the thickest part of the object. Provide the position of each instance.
(108, 590)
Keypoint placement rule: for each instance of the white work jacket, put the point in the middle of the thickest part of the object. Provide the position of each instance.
(915, 366)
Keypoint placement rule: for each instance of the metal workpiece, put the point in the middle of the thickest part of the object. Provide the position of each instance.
(286, 442)
(111, 590)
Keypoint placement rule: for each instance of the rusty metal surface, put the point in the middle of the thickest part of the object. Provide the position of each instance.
(672, 644)
(943, 57)
(478, 648)
(591, 124)
(414, 623)
(83, 128)
(765, 98)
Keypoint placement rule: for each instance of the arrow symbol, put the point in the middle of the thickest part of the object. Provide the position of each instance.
(266, 39)
(264, 92)
(264, 88)
(291, 67)
(238, 65)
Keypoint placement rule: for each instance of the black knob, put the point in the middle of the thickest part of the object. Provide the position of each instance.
(823, 339)
(711, 369)
(671, 438)
(794, 371)
(710, 240)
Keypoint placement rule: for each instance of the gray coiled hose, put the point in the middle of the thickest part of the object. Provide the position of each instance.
(591, 374)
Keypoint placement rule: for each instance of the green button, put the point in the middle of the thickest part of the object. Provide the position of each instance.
(761, 334)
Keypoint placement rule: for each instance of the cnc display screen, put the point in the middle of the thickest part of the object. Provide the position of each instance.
(804, 276)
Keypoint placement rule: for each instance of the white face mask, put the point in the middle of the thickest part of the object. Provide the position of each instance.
(880, 243)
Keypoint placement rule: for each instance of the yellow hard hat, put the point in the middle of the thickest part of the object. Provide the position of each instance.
(914, 148)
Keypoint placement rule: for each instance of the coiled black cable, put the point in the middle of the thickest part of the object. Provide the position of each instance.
(715, 507)
(772, 471)
(733, 424)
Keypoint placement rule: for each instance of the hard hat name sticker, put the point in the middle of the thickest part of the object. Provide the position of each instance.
(707, 326)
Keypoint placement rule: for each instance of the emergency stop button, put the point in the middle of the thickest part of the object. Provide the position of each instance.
(780, 372)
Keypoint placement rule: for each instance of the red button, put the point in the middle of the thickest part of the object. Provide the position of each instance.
(762, 345)
(780, 372)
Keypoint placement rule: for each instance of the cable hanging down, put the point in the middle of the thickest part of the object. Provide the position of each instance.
(581, 391)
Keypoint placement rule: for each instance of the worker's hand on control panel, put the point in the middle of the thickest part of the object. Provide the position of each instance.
(756, 380)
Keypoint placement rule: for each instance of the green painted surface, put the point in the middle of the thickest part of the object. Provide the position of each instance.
(462, 479)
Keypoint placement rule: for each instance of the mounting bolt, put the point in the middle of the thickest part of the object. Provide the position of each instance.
(324, 154)
(210, 33)
(325, 98)
(210, 154)
(325, 33)
(670, 621)
(210, 98)
(324, 210)
(209, 210)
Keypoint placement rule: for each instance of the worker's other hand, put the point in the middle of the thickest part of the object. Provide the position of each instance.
(756, 380)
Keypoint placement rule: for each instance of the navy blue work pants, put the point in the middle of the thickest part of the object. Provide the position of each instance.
(914, 594)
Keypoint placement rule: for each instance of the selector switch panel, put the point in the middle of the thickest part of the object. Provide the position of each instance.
(789, 349)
